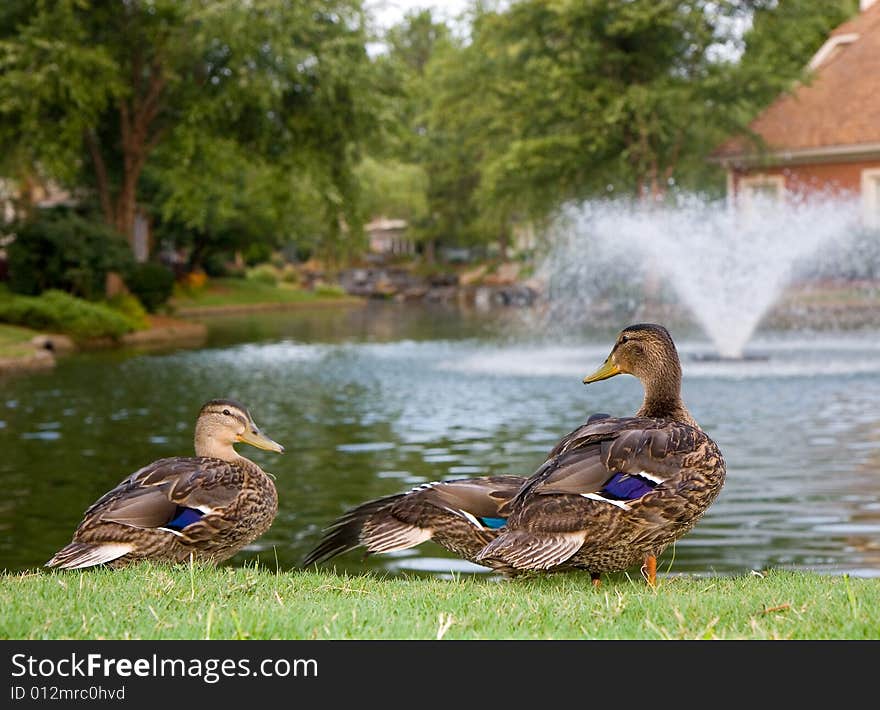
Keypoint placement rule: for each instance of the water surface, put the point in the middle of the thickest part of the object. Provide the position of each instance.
(371, 401)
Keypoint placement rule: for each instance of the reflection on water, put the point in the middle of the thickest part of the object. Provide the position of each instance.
(370, 401)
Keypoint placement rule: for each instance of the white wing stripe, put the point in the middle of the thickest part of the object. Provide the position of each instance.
(648, 476)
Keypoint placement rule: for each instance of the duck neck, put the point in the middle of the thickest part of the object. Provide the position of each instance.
(663, 397)
(212, 447)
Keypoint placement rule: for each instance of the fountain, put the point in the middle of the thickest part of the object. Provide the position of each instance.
(726, 266)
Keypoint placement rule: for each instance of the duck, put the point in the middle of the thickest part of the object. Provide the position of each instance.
(612, 494)
(203, 508)
(462, 515)
(617, 491)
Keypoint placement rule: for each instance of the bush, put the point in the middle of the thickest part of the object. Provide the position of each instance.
(290, 275)
(264, 274)
(151, 283)
(131, 308)
(59, 249)
(62, 313)
(257, 253)
(329, 290)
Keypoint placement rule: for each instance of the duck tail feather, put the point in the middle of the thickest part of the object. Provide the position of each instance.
(79, 555)
(370, 524)
(531, 550)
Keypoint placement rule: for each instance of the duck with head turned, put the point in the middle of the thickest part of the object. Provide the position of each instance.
(615, 492)
(204, 508)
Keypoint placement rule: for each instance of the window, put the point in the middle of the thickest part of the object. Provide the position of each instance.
(871, 197)
(761, 190)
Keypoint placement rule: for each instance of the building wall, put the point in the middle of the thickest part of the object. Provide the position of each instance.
(834, 178)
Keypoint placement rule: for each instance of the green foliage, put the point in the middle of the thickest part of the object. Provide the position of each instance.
(216, 264)
(325, 290)
(394, 189)
(264, 274)
(257, 253)
(290, 275)
(59, 249)
(131, 308)
(151, 283)
(240, 121)
(60, 312)
(556, 101)
(244, 126)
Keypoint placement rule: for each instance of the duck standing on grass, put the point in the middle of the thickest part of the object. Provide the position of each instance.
(616, 492)
(204, 508)
(613, 494)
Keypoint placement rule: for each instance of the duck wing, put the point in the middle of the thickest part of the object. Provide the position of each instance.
(610, 462)
(405, 520)
(162, 492)
(610, 452)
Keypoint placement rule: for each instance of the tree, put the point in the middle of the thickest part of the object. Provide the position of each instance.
(404, 168)
(103, 92)
(553, 101)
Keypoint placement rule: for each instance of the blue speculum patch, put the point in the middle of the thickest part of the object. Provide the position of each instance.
(624, 487)
(494, 523)
(183, 517)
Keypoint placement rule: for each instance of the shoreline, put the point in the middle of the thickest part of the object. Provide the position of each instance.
(41, 351)
(243, 308)
(798, 307)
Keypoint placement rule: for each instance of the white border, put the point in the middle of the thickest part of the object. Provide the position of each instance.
(871, 197)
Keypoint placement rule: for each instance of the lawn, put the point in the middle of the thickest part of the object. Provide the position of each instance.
(157, 602)
(15, 341)
(226, 293)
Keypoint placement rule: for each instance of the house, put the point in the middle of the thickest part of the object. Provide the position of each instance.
(388, 236)
(824, 136)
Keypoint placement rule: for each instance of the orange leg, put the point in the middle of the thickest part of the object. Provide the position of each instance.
(649, 569)
(596, 578)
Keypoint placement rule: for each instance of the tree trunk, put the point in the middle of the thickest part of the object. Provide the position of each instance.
(126, 204)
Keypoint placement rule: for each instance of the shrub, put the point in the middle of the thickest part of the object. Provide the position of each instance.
(329, 290)
(131, 308)
(59, 249)
(218, 265)
(257, 253)
(264, 274)
(290, 275)
(151, 283)
(62, 313)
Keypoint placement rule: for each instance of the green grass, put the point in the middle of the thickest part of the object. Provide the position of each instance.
(243, 292)
(15, 341)
(151, 601)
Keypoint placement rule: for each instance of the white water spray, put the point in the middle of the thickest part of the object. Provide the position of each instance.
(727, 266)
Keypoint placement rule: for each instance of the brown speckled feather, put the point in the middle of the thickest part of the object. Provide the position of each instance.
(237, 498)
(552, 522)
(447, 512)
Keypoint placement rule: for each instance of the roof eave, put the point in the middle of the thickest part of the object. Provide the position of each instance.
(801, 156)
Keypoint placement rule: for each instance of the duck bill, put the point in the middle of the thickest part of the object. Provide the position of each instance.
(257, 438)
(608, 369)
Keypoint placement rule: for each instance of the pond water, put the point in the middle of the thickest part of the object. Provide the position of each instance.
(373, 400)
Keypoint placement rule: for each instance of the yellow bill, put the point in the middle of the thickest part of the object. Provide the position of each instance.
(608, 369)
(255, 437)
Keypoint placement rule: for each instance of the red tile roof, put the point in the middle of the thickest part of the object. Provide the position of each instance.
(839, 106)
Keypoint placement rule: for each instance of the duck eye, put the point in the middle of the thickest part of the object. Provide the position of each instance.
(226, 412)
(623, 339)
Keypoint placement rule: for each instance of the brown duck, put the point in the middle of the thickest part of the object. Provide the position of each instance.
(205, 507)
(612, 494)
